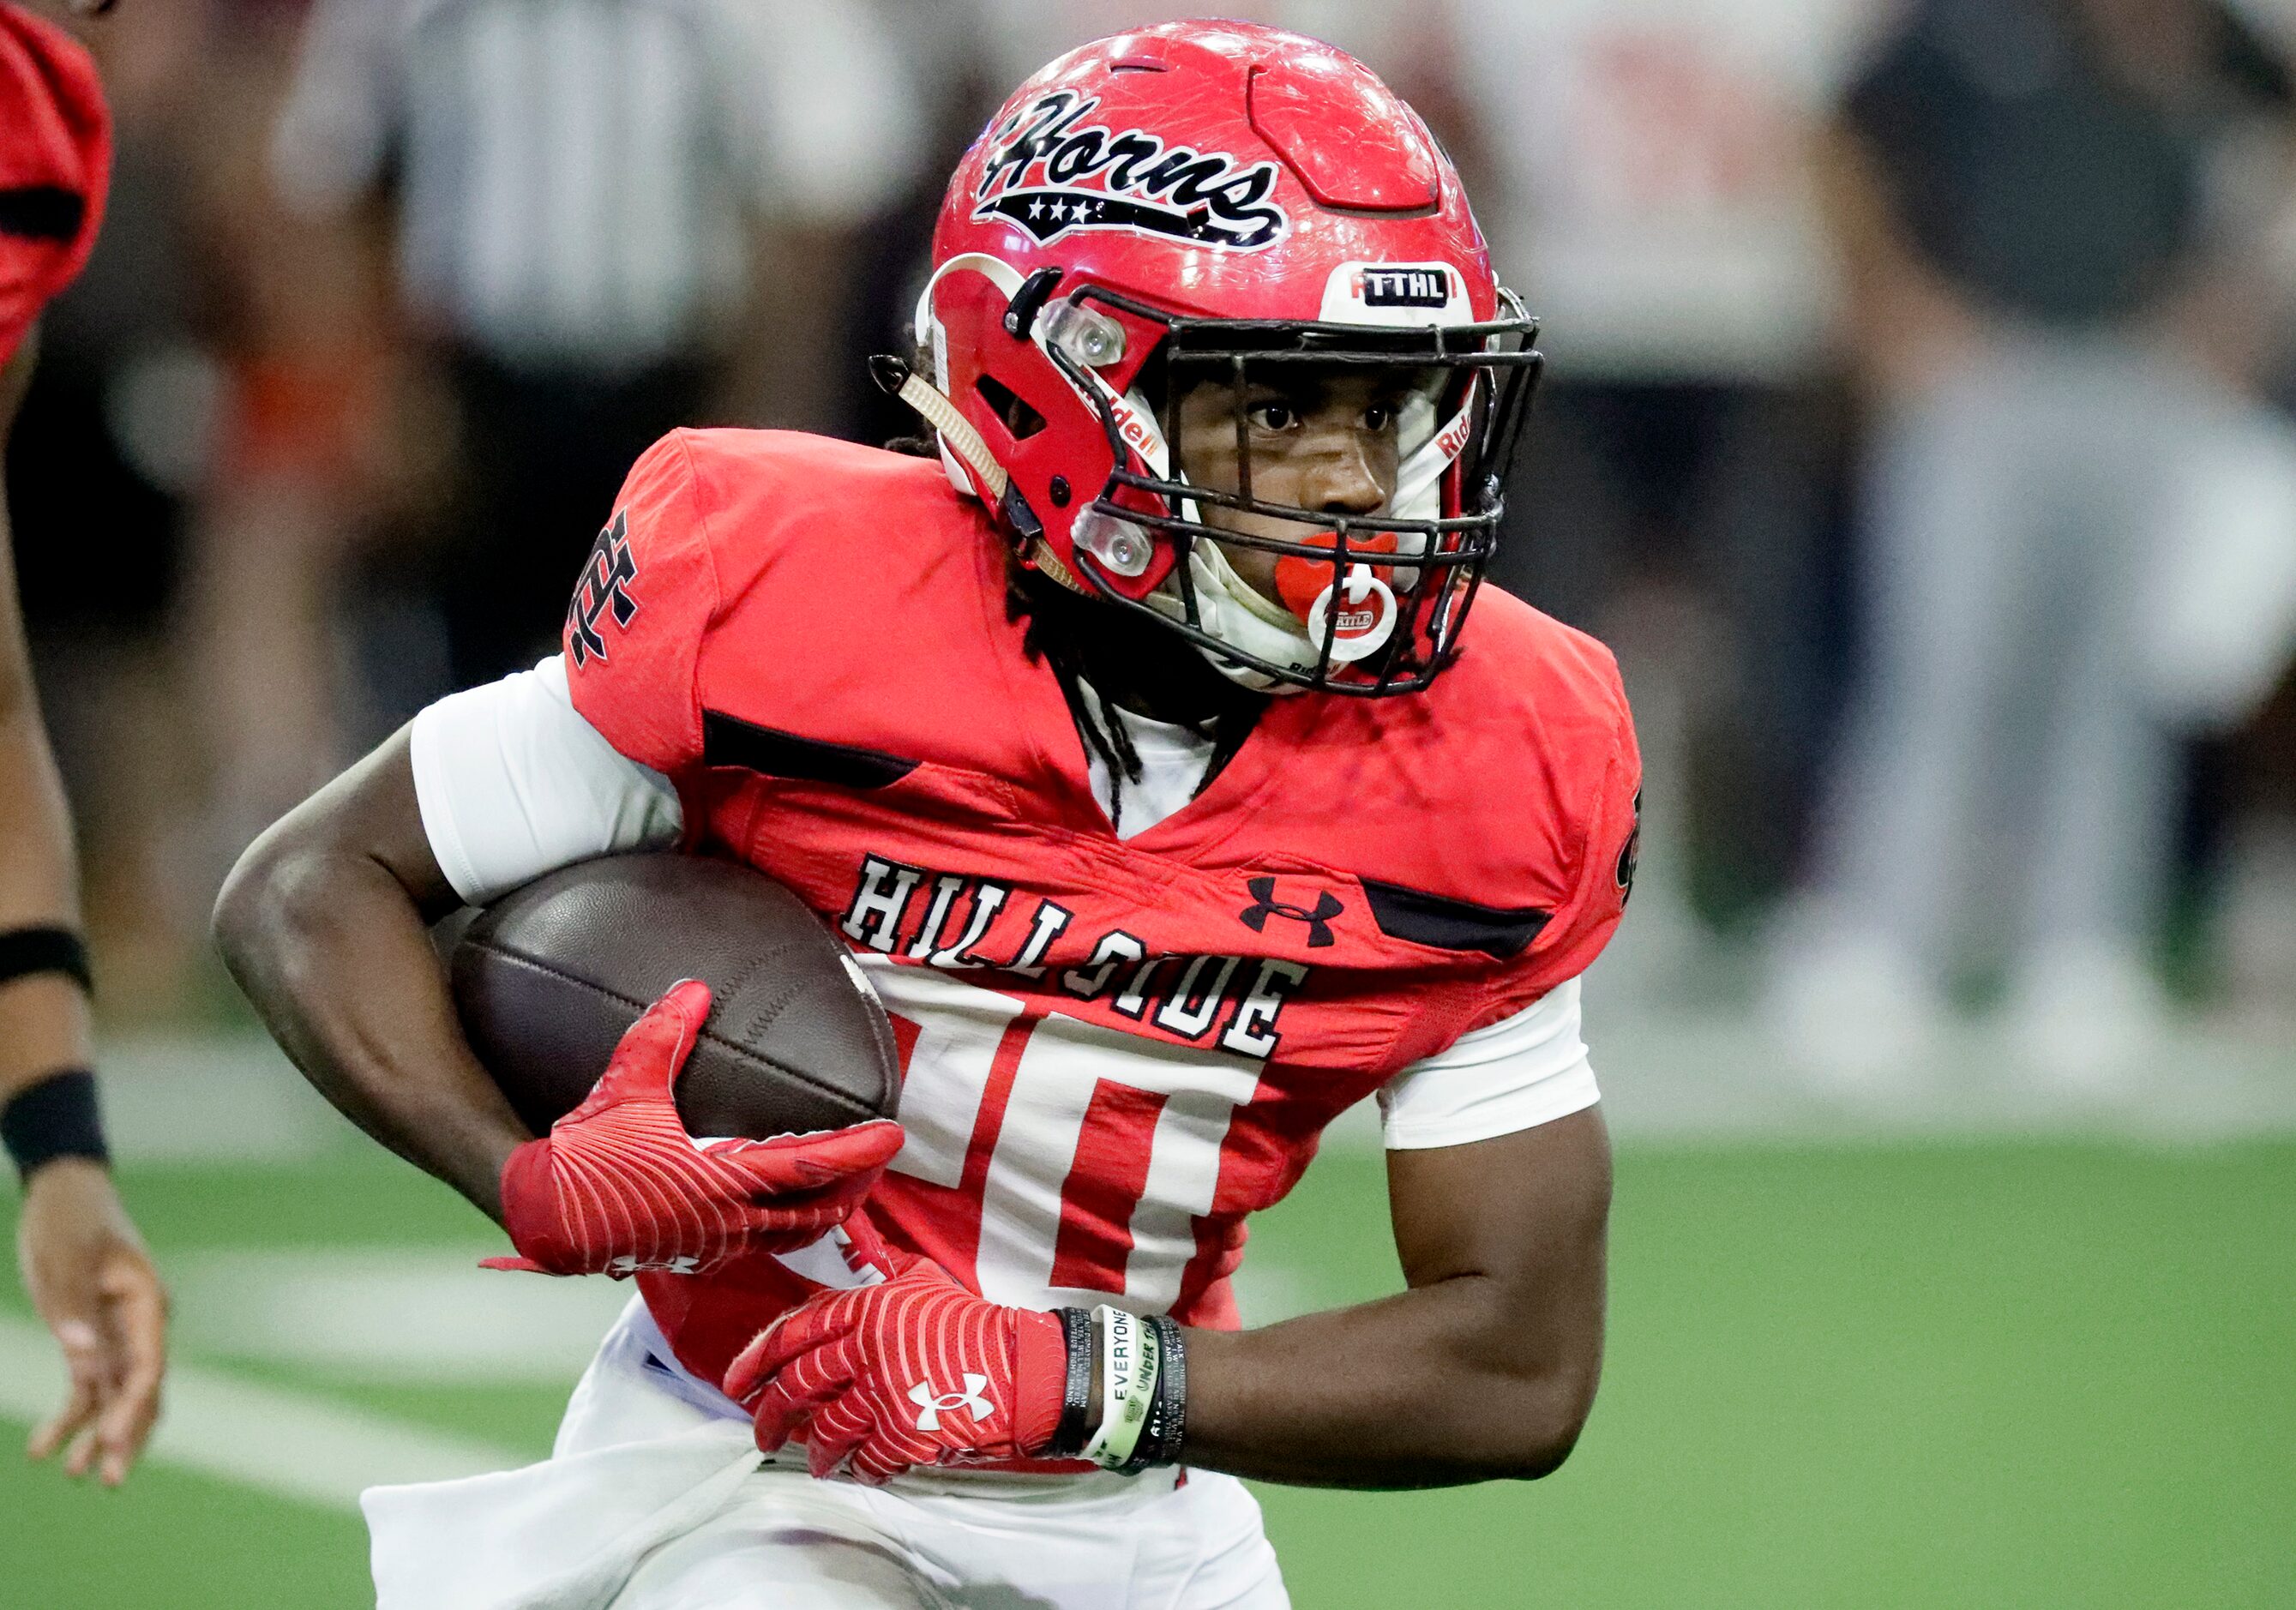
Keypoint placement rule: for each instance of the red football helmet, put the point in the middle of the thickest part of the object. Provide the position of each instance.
(1200, 203)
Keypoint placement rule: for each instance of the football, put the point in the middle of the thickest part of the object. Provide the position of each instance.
(546, 979)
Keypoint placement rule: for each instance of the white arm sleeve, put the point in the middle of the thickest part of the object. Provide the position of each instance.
(514, 783)
(1518, 1073)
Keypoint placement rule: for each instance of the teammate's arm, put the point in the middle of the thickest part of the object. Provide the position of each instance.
(1484, 1367)
(324, 923)
(85, 1267)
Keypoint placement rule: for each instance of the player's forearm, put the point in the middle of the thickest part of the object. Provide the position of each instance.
(1446, 1384)
(43, 1017)
(43, 1022)
(37, 884)
(336, 955)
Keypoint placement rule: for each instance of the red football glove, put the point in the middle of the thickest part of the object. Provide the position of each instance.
(618, 1186)
(914, 1371)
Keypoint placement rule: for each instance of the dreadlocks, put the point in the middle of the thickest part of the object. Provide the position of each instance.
(1103, 656)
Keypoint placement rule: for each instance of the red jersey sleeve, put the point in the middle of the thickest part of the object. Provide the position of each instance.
(1607, 877)
(646, 596)
(1610, 809)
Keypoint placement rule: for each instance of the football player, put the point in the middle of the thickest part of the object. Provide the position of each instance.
(85, 1267)
(1152, 747)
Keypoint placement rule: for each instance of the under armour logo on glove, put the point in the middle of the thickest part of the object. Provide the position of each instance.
(930, 1406)
(1319, 920)
(830, 1372)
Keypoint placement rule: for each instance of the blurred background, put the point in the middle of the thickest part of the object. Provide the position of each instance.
(1917, 429)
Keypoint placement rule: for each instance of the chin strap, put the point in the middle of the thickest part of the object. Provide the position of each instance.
(1040, 554)
(898, 380)
(956, 433)
(1231, 609)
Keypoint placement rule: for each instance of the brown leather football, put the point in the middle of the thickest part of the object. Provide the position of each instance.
(548, 977)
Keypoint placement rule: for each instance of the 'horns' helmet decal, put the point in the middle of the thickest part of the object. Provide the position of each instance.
(1050, 174)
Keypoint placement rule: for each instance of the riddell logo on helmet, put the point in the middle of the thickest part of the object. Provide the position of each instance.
(1411, 286)
(1138, 430)
(1050, 175)
(1453, 439)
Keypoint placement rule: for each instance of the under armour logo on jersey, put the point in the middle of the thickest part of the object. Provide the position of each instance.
(1319, 920)
(931, 1406)
(606, 577)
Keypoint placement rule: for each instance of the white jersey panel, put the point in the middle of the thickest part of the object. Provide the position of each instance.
(1518, 1073)
(1066, 1087)
(514, 783)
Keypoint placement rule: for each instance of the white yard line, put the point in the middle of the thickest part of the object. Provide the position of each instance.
(417, 1314)
(287, 1443)
(220, 1098)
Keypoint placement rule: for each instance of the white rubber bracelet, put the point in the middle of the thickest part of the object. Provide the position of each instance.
(1118, 1335)
(1121, 1386)
(1125, 1425)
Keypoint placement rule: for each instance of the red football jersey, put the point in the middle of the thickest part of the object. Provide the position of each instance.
(1115, 1049)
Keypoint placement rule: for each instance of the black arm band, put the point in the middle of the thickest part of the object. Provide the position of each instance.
(1075, 1393)
(28, 950)
(55, 1117)
(1168, 1415)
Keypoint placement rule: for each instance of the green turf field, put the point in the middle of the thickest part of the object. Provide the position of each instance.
(2027, 1376)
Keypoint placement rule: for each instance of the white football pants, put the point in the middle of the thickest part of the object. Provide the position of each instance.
(791, 1544)
(655, 1500)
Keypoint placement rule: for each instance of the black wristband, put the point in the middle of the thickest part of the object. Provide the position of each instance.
(1167, 1417)
(1172, 1394)
(55, 1117)
(50, 949)
(1075, 1392)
